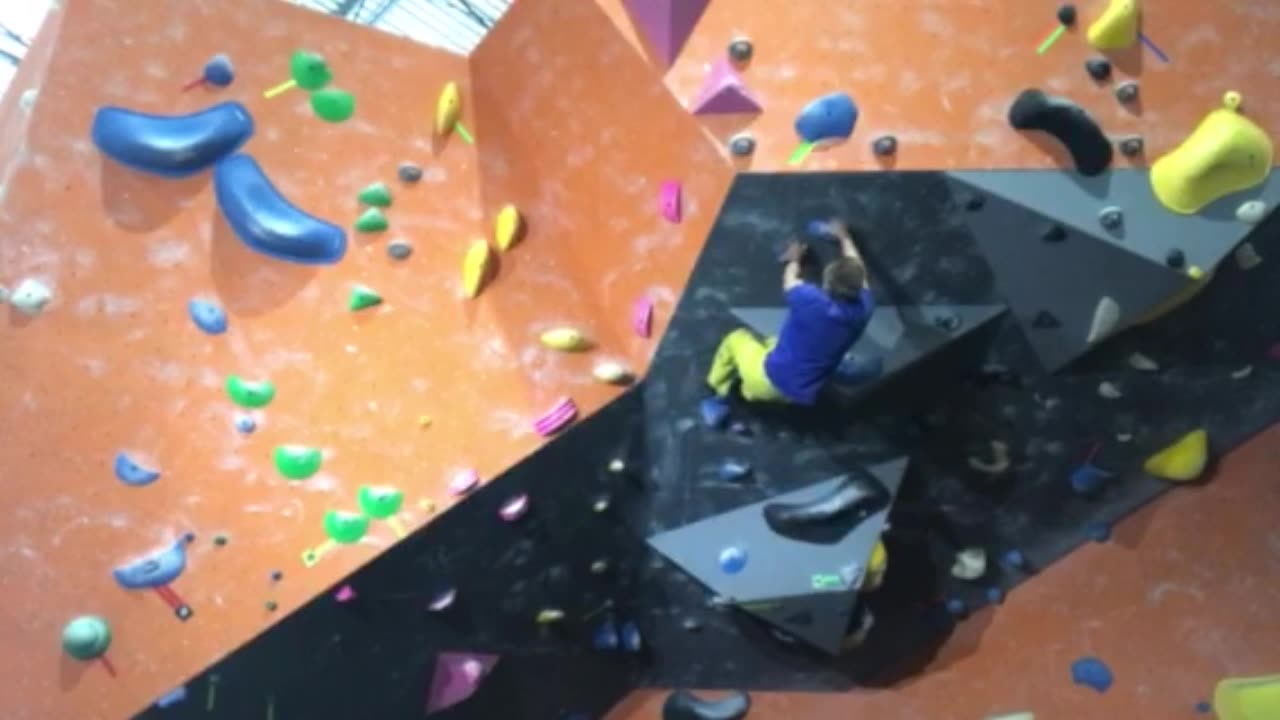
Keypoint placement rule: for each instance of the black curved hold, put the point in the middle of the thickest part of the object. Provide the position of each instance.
(171, 146)
(828, 519)
(267, 222)
(1067, 122)
(684, 705)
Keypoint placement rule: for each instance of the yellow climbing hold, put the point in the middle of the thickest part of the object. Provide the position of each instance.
(424, 421)
(566, 339)
(448, 108)
(1117, 27)
(1182, 461)
(611, 372)
(507, 227)
(1255, 698)
(427, 505)
(876, 568)
(475, 267)
(1227, 153)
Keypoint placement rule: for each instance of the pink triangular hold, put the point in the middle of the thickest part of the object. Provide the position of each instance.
(723, 93)
(344, 594)
(456, 677)
(666, 24)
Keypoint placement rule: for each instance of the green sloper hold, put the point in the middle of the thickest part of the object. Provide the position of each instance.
(250, 393)
(333, 105)
(379, 501)
(345, 527)
(297, 462)
(363, 297)
(377, 194)
(371, 220)
(86, 638)
(309, 70)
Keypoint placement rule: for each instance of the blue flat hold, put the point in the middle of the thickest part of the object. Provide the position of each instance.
(1014, 559)
(606, 636)
(208, 316)
(732, 471)
(995, 595)
(631, 638)
(1098, 532)
(715, 412)
(219, 71)
(265, 221)
(1092, 673)
(957, 607)
(173, 697)
(1088, 479)
(131, 473)
(171, 146)
(159, 568)
(830, 118)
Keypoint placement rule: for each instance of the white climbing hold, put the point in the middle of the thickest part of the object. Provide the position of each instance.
(1138, 361)
(1247, 257)
(999, 460)
(611, 372)
(1106, 316)
(970, 564)
(1124, 437)
(1252, 212)
(1108, 390)
(28, 99)
(31, 296)
(1013, 716)
(1242, 373)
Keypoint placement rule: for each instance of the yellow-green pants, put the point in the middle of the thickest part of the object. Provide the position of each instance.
(741, 357)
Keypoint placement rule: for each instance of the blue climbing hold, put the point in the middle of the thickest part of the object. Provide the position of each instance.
(957, 607)
(732, 471)
(265, 221)
(818, 228)
(159, 568)
(245, 424)
(1088, 479)
(173, 697)
(1093, 673)
(715, 412)
(219, 71)
(995, 595)
(606, 636)
(1014, 559)
(856, 371)
(733, 559)
(631, 639)
(1098, 531)
(827, 119)
(171, 146)
(208, 316)
(1204, 707)
(131, 473)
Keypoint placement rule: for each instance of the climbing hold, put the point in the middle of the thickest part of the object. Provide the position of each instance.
(1252, 211)
(309, 70)
(86, 637)
(1226, 153)
(947, 321)
(1111, 218)
(344, 527)
(1055, 233)
(375, 194)
(601, 503)
(998, 463)
(333, 105)
(344, 594)
(1067, 15)
(464, 482)
(1045, 320)
(245, 424)
(733, 471)
(737, 427)
(30, 297)
(828, 518)
(548, 616)
(1131, 146)
(157, 568)
(642, 316)
(740, 50)
(611, 372)
(1069, 123)
(250, 393)
(1242, 373)
(1195, 273)
(1092, 673)
(723, 93)
(448, 108)
(1098, 532)
(828, 119)
(270, 605)
(1183, 461)
(371, 221)
(1253, 698)
(599, 567)
(173, 697)
(669, 201)
(267, 222)
(1247, 256)
(476, 266)
(1015, 715)
(1175, 258)
(1138, 361)
(409, 172)
(1098, 68)
(1204, 707)
(684, 705)
(742, 144)
(1127, 91)
(276, 576)
(220, 539)
(691, 624)
(632, 641)
(399, 249)
(362, 297)
(297, 462)
(970, 564)
(379, 502)
(1014, 559)
(208, 316)
(606, 636)
(732, 560)
(885, 145)
(974, 202)
(1117, 27)
(957, 607)
(132, 473)
(171, 146)
(443, 600)
(557, 418)
(514, 508)
(1106, 317)
(995, 595)
(715, 412)
(1109, 390)
(566, 339)
(1088, 479)
(508, 226)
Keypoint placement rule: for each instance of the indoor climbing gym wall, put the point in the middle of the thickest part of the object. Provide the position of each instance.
(348, 377)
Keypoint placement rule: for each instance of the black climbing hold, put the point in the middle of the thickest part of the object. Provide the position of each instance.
(1054, 233)
(885, 145)
(189, 538)
(220, 539)
(1098, 68)
(1069, 123)
(276, 576)
(1127, 92)
(1131, 146)
(1067, 15)
(1045, 320)
(946, 321)
(409, 172)
(974, 202)
(742, 144)
(684, 705)
(1175, 258)
(830, 518)
(271, 605)
(183, 612)
(1111, 218)
(399, 249)
(740, 50)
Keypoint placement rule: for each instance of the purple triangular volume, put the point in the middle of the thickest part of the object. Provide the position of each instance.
(723, 93)
(666, 24)
(456, 677)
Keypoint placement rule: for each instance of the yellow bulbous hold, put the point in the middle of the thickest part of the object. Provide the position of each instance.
(1252, 698)
(476, 265)
(1117, 27)
(1227, 153)
(1183, 461)
(507, 227)
(565, 339)
(448, 108)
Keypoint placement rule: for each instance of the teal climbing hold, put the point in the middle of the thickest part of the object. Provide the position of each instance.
(363, 297)
(297, 462)
(377, 195)
(250, 393)
(86, 637)
(371, 221)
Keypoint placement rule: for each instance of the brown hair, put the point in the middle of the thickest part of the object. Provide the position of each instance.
(844, 277)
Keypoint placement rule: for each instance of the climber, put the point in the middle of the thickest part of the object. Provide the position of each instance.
(822, 324)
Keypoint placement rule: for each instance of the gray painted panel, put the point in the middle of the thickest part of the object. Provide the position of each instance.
(820, 620)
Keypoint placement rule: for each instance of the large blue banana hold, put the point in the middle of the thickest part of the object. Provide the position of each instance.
(171, 146)
(267, 222)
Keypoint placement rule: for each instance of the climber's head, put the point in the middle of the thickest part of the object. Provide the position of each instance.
(844, 277)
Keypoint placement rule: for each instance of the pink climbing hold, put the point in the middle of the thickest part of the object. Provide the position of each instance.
(723, 93)
(666, 24)
(464, 482)
(344, 594)
(555, 419)
(456, 677)
(514, 508)
(669, 201)
(642, 317)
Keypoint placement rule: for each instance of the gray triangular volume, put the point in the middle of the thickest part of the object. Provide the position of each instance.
(821, 620)
(1149, 230)
(776, 566)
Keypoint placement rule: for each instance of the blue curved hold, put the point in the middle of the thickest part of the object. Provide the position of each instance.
(131, 473)
(1093, 673)
(208, 316)
(830, 117)
(267, 222)
(171, 146)
(159, 568)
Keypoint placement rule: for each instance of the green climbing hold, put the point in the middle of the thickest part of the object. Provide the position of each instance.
(297, 462)
(379, 501)
(371, 220)
(250, 393)
(309, 70)
(333, 105)
(362, 297)
(86, 638)
(345, 527)
(377, 194)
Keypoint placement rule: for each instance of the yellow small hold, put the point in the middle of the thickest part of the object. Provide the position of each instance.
(1117, 27)
(550, 615)
(877, 566)
(448, 108)
(1182, 461)
(611, 372)
(507, 228)
(427, 505)
(424, 421)
(475, 268)
(1226, 153)
(565, 339)
(1194, 272)
(1255, 698)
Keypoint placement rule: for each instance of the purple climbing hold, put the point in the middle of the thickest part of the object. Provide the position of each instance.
(724, 93)
(1092, 673)
(666, 24)
(457, 676)
(715, 412)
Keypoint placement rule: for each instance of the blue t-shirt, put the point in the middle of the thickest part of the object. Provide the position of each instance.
(817, 333)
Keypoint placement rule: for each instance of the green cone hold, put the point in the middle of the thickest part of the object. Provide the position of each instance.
(250, 393)
(345, 527)
(377, 194)
(298, 462)
(362, 297)
(379, 501)
(309, 70)
(371, 220)
(86, 637)
(333, 105)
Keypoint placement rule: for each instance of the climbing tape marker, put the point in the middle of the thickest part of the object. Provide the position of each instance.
(396, 527)
(1152, 46)
(271, 707)
(462, 133)
(280, 89)
(1053, 38)
(311, 556)
(800, 153)
(212, 693)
